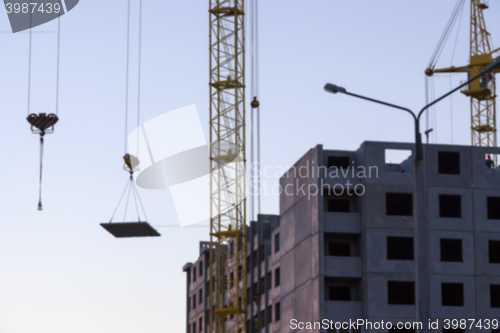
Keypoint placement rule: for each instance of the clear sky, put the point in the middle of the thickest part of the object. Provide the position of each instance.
(60, 271)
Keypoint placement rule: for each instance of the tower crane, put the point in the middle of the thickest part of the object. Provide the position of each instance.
(227, 162)
(482, 92)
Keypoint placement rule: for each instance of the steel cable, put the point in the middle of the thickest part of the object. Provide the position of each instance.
(58, 57)
(41, 166)
(121, 197)
(127, 75)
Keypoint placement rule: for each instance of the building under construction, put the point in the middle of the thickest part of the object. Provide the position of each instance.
(323, 243)
(350, 255)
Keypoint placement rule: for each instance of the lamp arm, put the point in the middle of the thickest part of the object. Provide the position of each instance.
(383, 103)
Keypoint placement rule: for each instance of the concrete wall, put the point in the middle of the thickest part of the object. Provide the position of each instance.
(300, 244)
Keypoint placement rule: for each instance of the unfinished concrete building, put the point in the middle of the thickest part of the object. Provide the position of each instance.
(342, 247)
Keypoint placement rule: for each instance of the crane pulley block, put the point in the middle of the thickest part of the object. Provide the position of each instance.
(131, 163)
(42, 123)
(255, 103)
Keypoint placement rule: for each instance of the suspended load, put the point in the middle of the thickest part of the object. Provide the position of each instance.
(137, 228)
(130, 229)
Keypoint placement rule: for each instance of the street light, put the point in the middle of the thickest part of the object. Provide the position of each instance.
(416, 117)
(421, 234)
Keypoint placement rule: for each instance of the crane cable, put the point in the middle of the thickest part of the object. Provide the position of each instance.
(42, 133)
(255, 145)
(127, 77)
(130, 185)
(257, 92)
(139, 75)
(255, 111)
(430, 116)
(252, 139)
(451, 63)
(431, 119)
(446, 33)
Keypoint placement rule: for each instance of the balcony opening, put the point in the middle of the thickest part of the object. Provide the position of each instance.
(269, 314)
(277, 312)
(493, 204)
(339, 293)
(341, 245)
(338, 205)
(339, 248)
(262, 318)
(399, 204)
(448, 163)
(269, 281)
(452, 294)
(262, 282)
(400, 248)
(495, 295)
(401, 292)
(451, 249)
(342, 289)
(336, 202)
(494, 251)
(340, 162)
(450, 206)
(276, 242)
(398, 160)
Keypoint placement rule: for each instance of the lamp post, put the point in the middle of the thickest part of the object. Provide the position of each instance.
(419, 197)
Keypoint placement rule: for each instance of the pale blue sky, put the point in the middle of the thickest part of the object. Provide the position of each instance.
(60, 272)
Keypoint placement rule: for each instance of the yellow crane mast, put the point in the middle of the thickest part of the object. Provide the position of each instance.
(227, 160)
(481, 92)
